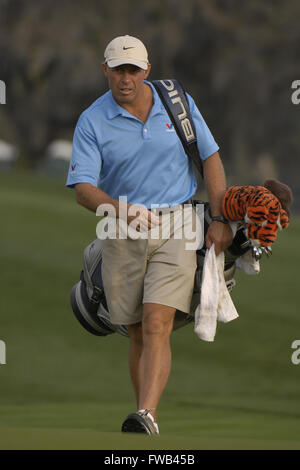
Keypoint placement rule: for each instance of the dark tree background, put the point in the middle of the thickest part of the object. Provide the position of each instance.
(237, 59)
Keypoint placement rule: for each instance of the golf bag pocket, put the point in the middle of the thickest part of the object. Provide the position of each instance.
(88, 300)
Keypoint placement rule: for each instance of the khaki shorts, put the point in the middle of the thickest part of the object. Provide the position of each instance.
(157, 270)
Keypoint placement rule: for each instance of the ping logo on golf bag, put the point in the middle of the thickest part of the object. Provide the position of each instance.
(2, 352)
(182, 114)
(175, 101)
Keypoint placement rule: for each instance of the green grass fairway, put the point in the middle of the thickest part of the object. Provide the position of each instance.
(63, 388)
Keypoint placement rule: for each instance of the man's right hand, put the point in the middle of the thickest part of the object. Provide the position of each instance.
(139, 217)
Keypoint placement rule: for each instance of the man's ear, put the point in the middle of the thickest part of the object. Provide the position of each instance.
(147, 72)
(104, 68)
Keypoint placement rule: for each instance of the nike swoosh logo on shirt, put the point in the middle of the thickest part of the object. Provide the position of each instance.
(125, 48)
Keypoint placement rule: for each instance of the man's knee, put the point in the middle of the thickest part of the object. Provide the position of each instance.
(158, 320)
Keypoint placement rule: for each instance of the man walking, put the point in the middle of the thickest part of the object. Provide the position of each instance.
(124, 145)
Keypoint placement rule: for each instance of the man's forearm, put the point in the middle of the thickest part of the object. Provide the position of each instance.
(91, 197)
(219, 234)
(215, 182)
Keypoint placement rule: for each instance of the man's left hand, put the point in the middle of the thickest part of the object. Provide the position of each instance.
(220, 234)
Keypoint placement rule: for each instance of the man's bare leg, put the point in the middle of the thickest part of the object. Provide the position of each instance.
(135, 352)
(155, 360)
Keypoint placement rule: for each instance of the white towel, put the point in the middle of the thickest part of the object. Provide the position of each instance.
(215, 301)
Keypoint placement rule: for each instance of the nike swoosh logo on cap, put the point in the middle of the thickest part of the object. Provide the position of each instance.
(125, 48)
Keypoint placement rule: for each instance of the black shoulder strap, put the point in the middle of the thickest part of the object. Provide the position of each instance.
(175, 101)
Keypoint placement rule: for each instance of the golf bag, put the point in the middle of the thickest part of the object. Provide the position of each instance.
(88, 299)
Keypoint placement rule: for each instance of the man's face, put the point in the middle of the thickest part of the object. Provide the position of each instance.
(125, 82)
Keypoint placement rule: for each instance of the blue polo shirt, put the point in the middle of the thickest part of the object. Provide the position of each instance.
(123, 156)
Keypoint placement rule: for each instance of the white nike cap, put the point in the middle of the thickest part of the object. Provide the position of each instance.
(126, 50)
